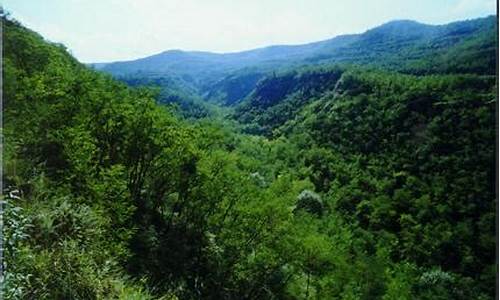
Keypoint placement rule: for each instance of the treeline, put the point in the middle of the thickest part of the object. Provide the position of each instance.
(375, 186)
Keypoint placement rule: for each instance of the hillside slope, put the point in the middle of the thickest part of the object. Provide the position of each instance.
(406, 46)
(361, 184)
(412, 156)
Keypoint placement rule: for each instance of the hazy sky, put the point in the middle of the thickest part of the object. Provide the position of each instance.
(110, 30)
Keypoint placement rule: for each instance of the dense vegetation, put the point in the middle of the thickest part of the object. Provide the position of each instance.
(326, 182)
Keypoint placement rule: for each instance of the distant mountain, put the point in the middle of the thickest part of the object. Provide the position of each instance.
(403, 45)
(202, 69)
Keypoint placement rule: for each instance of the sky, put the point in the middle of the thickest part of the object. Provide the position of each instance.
(114, 30)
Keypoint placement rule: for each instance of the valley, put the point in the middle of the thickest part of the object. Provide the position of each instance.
(359, 167)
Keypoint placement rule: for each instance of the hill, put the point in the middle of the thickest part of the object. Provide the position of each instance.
(406, 46)
(354, 182)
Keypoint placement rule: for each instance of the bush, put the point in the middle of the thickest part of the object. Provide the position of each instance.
(310, 202)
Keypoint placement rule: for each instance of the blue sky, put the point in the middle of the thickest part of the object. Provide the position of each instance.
(111, 30)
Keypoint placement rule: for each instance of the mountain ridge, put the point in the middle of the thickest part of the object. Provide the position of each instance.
(206, 52)
(401, 45)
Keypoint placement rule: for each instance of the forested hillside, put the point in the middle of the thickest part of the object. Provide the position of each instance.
(318, 182)
(406, 46)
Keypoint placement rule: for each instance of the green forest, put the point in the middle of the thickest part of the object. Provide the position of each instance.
(335, 179)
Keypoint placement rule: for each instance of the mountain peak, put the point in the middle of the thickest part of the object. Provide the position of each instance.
(402, 28)
(401, 22)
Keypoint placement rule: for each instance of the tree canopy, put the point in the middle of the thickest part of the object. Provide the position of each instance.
(326, 182)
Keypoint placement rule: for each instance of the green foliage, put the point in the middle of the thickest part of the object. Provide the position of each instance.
(310, 202)
(276, 99)
(360, 184)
